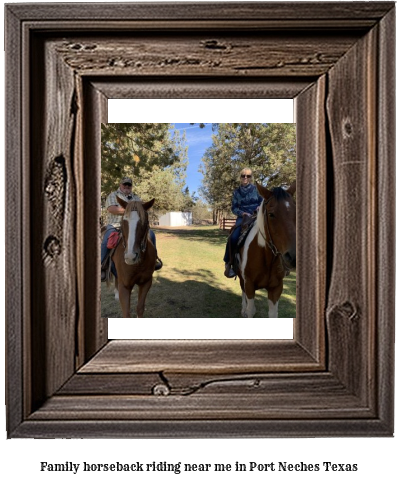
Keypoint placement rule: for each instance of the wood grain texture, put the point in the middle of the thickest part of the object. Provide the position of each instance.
(200, 356)
(173, 88)
(95, 328)
(111, 384)
(316, 385)
(203, 407)
(351, 109)
(241, 54)
(208, 11)
(385, 224)
(185, 384)
(311, 218)
(53, 211)
(191, 428)
(15, 258)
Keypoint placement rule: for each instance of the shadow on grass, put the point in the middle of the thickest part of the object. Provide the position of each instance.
(191, 285)
(210, 234)
(191, 299)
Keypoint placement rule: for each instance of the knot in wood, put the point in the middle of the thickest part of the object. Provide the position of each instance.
(161, 390)
(90, 47)
(50, 188)
(347, 128)
(51, 249)
(349, 310)
(213, 44)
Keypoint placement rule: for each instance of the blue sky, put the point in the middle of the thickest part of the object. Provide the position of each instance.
(198, 140)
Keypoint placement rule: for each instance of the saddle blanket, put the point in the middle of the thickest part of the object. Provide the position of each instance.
(112, 241)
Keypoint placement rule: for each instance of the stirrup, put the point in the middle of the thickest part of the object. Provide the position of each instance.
(158, 264)
(229, 272)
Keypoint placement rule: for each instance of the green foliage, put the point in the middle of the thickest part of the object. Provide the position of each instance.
(201, 210)
(268, 149)
(155, 160)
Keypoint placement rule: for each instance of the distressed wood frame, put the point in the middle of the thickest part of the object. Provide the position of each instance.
(64, 379)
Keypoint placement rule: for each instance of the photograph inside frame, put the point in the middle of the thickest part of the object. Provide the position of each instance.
(198, 220)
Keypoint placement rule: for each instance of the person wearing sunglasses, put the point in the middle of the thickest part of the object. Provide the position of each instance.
(114, 219)
(246, 201)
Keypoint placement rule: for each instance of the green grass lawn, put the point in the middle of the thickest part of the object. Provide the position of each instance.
(192, 284)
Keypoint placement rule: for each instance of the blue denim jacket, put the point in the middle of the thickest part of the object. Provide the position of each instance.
(246, 199)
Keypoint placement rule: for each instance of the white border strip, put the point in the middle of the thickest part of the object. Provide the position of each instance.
(222, 111)
(166, 110)
(200, 329)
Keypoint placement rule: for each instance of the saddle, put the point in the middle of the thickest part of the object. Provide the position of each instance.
(246, 226)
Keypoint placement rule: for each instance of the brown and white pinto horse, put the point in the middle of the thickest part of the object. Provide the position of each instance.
(269, 249)
(135, 256)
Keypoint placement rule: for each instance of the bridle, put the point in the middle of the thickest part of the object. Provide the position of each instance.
(269, 241)
(143, 243)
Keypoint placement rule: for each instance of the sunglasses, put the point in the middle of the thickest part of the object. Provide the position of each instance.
(127, 184)
(243, 176)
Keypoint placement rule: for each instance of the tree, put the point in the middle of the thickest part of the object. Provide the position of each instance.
(189, 200)
(152, 156)
(161, 184)
(201, 211)
(268, 149)
(134, 149)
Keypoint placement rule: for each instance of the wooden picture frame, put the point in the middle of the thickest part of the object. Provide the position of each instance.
(64, 379)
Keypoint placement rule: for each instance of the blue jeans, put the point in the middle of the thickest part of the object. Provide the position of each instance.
(104, 250)
(233, 239)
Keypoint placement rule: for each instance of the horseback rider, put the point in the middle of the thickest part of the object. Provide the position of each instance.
(114, 219)
(246, 201)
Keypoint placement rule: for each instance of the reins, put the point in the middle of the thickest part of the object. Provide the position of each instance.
(270, 242)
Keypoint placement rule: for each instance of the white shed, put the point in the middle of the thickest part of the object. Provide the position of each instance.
(176, 219)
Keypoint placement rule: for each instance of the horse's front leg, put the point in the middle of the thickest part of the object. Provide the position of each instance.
(249, 295)
(124, 299)
(273, 309)
(143, 290)
(244, 305)
(273, 299)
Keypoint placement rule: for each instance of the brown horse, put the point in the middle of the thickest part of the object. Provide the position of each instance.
(135, 256)
(269, 250)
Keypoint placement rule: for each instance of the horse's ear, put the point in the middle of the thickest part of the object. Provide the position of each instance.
(292, 189)
(148, 205)
(264, 192)
(121, 202)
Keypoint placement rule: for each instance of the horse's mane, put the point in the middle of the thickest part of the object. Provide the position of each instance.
(280, 193)
(136, 205)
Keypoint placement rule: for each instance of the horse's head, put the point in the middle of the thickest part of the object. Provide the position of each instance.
(278, 212)
(135, 228)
